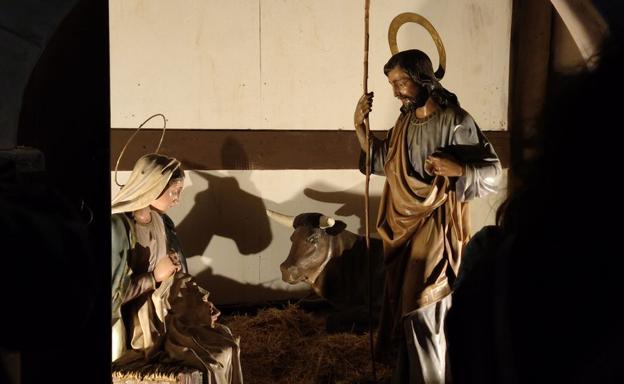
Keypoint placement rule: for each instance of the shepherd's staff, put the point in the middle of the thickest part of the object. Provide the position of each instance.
(366, 198)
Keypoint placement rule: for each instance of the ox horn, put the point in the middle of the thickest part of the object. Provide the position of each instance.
(326, 222)
(281, 218)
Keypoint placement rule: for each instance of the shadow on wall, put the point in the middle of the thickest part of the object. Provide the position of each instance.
(224, 209)
(221, 287)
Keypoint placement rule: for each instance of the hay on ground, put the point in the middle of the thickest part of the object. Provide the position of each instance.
(291, 346)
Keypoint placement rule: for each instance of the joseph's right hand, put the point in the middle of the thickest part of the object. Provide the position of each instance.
(363, 108)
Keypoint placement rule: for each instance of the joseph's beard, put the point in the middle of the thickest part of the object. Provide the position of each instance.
(411, 103)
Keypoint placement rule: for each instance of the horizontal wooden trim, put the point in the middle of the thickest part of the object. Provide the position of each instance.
(257, 149)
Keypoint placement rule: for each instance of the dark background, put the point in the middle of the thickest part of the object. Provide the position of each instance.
(54, 223)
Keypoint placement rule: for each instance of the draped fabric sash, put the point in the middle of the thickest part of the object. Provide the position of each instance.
(423, 227)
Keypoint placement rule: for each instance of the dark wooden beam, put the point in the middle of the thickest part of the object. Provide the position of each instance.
(257, 149)
(528, 77)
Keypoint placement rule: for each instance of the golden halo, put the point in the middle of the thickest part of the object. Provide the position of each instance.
(162, 136)
(410, 17)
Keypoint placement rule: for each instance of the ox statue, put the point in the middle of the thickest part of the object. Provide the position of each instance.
(333, 261)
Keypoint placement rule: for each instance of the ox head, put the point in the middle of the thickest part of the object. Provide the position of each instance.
(313, 244)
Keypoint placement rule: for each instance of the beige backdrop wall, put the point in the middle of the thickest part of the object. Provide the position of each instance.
(283, 65)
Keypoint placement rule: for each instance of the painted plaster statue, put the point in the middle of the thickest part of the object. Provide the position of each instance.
(435, 159)
(159, 314)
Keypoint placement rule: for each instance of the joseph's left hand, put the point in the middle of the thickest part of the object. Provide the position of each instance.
(443, 167)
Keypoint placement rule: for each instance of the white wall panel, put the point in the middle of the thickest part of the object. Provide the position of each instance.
(277, 64)
(196, 61)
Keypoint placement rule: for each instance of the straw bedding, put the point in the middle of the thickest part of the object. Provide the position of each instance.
(290, 345)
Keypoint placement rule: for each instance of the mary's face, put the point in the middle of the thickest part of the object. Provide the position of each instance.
(170, 197)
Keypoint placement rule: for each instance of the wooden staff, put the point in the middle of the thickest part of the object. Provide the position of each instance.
(366, 198)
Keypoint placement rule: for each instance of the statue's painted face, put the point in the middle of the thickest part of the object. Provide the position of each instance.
(170, 197)
(405, 89)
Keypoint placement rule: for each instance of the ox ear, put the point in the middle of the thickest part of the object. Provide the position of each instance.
(326, 222)
(281, 218)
